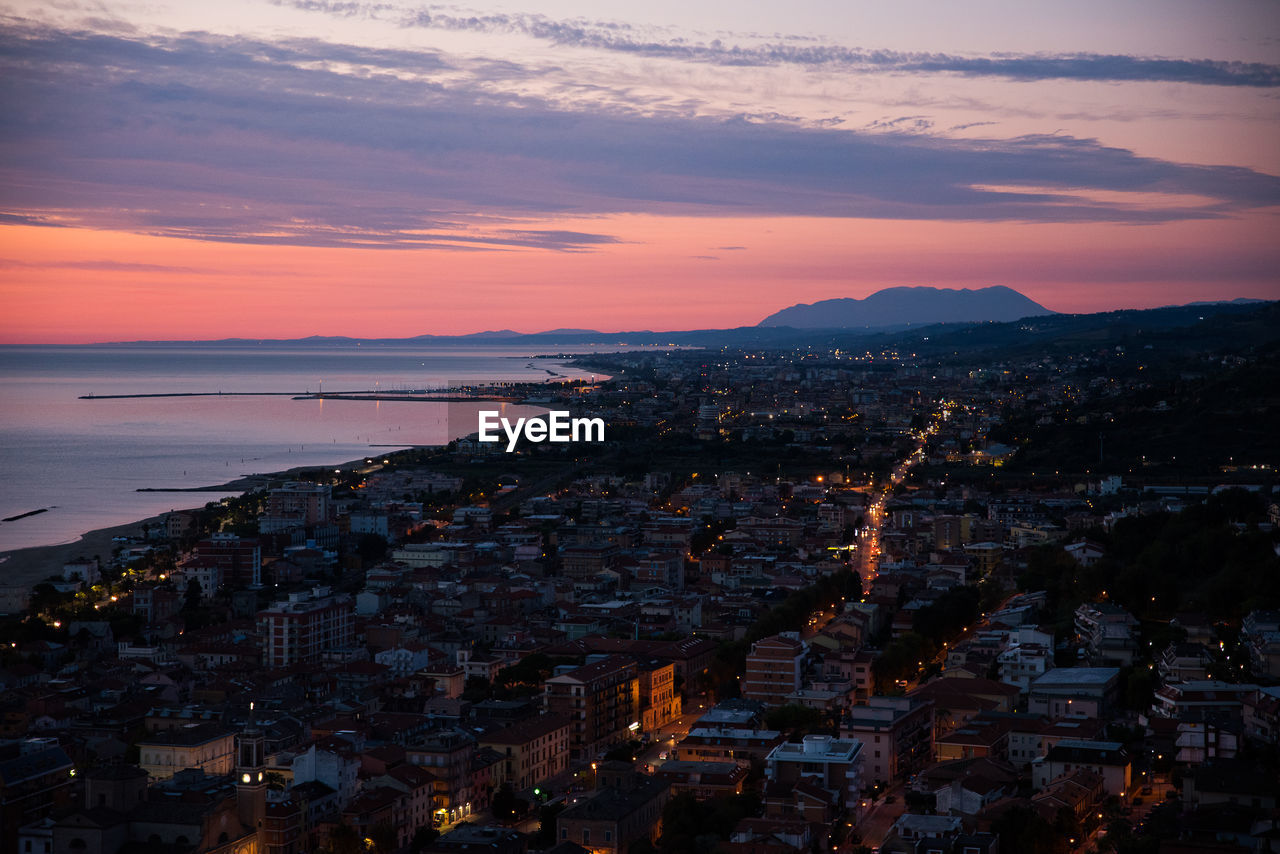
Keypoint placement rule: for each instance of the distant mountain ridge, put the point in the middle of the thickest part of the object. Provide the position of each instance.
(910, 306)
(1163, 317)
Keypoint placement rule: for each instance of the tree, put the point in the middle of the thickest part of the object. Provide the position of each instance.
(476, 689)
(384, 838)
(371, 548)
(423, 837)
(505, 805)
(690, 826)
(625, 752)
(45, 598)
(795, 719)
(1022, 829)
(191, 599)
(546, 835)
(345, 840)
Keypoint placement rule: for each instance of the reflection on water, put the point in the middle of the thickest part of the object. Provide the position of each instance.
(86, 458)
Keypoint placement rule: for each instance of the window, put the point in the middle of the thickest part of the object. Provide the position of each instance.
(608, 836)
(586, 835)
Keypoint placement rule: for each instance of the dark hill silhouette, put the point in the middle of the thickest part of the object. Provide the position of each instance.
(910, 306)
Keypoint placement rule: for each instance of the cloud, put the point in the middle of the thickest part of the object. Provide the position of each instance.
(299, 142)
(793, 50)
(101, 266)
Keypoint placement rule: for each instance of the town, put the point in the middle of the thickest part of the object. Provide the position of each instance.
(807, 599)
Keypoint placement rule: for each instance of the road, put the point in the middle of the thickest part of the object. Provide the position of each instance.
(880, 816)
(665, 739)
(870, 545)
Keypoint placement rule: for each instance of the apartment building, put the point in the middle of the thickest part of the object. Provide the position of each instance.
(774, 669)
(897, 733)
(534, 750)
(302, 627)
(602, 701)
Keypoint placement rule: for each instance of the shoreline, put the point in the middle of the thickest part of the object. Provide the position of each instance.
(27, 567)
(30, 565)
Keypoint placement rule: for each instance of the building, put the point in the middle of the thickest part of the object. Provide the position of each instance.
(1230, 781)
(1022, 663)
(968, 786)
(1032, 736)
(925, 833)
(534, 750)
(661, 568)
(239, 560)
(704, 779)
(1261, 716)
(302, 627)
(1105, 758)
(1184, 662)
(588, 560)
(1107, 633)
(602, 701)
(295, 505)
(35, 776)
(774, 668)
(660, 703)
(834, 764)
(474, 839)
(1201, 700)
(616, 818)
(448, 755)
(898, 736)
(1261, 632)
(207, 746)
(190, 811)
(984, 735)
(712, 744)
(1074, 691)
(987, 558)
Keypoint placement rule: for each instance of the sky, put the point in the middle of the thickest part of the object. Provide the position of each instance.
(187, 170)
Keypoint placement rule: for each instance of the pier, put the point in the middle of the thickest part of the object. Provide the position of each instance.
(441, 395)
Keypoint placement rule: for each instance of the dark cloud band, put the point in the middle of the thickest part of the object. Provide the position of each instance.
(621, 38)
(238, 140)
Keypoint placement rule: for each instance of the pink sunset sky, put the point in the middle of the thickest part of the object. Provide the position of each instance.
(387, 169)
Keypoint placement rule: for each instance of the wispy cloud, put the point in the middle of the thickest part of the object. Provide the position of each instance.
(740, 50)
(301, 142)
(104, 266)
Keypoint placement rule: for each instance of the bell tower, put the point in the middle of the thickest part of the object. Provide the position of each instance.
(250, 774)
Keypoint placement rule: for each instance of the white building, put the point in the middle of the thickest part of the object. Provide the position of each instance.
(1105, 758)
(834, 764)
(1021, 664)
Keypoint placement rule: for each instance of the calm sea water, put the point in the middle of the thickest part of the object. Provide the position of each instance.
(86, 459)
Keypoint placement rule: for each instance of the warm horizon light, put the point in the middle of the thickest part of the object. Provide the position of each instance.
(293, 168)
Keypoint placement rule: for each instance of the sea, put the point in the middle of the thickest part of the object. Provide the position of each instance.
(83, 461)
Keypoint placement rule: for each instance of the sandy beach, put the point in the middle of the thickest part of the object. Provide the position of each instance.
(28, 567)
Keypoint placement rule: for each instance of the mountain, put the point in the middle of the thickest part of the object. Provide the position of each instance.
(910, 306)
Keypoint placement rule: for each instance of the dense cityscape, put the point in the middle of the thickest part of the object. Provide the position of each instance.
(996, 589)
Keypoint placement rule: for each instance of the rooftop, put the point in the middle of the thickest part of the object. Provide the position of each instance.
(1076, 676)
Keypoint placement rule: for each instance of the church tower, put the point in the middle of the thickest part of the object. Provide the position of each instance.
(250, 773)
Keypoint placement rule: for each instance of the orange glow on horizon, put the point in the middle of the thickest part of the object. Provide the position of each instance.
(69, 286)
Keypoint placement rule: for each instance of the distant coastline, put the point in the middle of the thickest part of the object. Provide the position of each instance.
(27, 567)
